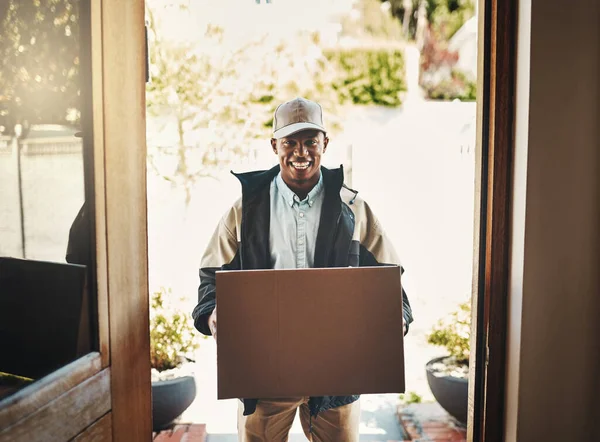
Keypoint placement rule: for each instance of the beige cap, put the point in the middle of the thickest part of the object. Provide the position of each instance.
(296, 115)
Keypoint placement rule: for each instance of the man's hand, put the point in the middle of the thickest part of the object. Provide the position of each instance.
(212, 323)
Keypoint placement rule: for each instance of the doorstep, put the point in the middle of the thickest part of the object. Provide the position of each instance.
(429, 422)
(182, 433)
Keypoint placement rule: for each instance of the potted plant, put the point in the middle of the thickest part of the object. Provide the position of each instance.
(448, 375)
(172, 341)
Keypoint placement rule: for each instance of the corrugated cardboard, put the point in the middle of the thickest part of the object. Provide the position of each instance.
(309, 332)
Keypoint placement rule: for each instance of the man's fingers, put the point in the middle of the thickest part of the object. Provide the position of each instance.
(212, 323)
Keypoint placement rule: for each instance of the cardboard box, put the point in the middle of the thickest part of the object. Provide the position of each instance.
(309, 332)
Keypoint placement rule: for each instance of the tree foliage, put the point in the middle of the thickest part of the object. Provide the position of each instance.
(220, 94)
(39, 62)
(446, 16)
(371, 20)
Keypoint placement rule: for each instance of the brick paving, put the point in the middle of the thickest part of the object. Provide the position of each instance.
(429, 422)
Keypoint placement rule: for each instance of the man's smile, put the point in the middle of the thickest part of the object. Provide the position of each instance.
(300, 165)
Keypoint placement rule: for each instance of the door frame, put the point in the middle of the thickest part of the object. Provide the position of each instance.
(497, 30)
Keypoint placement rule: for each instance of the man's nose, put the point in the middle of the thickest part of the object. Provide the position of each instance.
(301, 150)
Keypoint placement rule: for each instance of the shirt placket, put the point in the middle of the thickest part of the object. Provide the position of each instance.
(301, 236)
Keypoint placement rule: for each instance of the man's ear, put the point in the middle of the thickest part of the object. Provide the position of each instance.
(325, 143)
(274, 145)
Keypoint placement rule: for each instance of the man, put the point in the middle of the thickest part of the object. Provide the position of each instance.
(295, 215)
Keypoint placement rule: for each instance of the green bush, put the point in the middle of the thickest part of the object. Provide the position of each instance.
(438, 76)
(449, 15)
(172, 334)
(369, 76)
(458, 86)
(454, 333)
(446, 15)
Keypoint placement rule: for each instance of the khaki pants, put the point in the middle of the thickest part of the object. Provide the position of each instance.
(273, 418)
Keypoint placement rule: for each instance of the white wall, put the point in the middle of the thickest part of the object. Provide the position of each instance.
(554, 309)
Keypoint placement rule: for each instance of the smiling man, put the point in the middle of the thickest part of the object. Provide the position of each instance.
(296, 215)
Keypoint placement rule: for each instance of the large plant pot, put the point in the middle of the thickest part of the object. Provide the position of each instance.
(170, 398)
(452, 393)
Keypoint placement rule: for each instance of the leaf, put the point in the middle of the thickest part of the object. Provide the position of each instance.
(172, 334)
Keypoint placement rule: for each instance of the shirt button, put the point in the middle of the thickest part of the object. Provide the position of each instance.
(301, 214)
(300, 241)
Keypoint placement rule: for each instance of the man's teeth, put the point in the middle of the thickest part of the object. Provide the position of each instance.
(303, 165)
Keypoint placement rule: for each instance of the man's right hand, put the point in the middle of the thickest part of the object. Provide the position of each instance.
(212, 323)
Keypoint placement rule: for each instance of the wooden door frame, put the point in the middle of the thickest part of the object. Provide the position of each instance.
(497, 30)
(119, 72)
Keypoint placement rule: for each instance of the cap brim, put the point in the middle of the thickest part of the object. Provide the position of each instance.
(290, 129)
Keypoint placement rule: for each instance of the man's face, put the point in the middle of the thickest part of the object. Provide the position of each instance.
(300, 157)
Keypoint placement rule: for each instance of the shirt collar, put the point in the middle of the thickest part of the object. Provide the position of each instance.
(290, 197)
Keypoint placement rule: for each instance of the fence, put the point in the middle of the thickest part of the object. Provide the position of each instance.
(42, 188)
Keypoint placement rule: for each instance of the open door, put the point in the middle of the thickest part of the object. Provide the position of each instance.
(104, 394)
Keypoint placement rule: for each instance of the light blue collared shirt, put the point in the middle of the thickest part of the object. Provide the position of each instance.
(294, 225)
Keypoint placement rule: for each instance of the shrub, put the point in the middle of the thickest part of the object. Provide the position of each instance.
(458, 86)
(454, 333)
(438, 76)
(172, 334)
(449, 15)
(369, 76)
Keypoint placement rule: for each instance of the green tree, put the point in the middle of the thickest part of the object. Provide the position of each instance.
(220, 95)
(445, 16)
(39, 62)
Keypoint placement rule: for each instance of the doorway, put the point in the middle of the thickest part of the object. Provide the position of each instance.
(424, 146)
